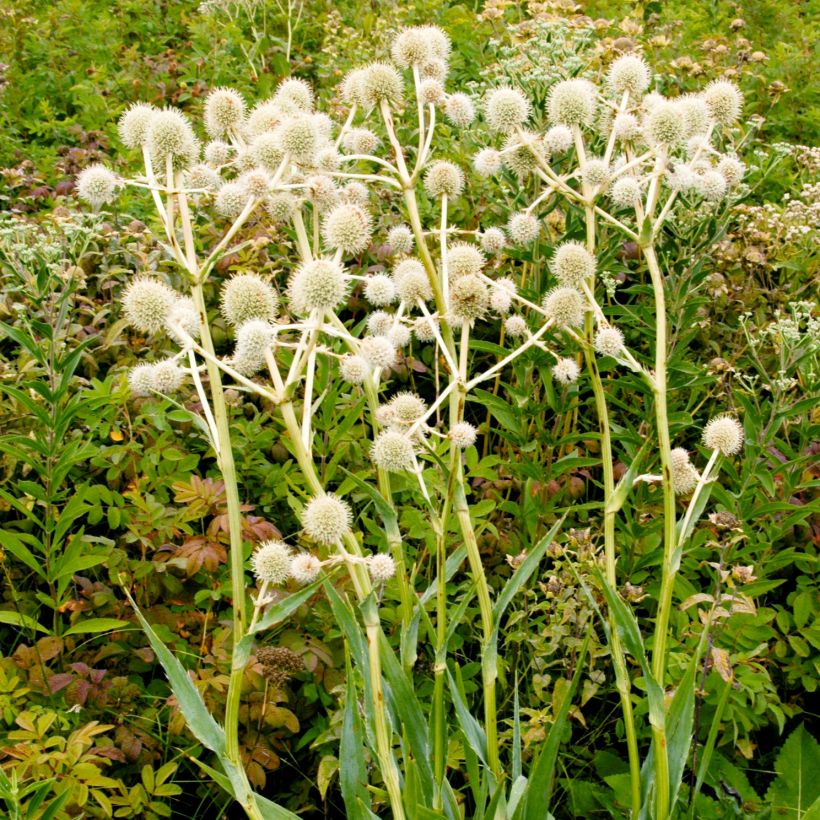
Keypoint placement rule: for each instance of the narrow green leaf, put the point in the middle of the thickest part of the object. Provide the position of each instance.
(92, 625)
(22, 620)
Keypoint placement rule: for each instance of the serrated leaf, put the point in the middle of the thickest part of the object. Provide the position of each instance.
(797, 785)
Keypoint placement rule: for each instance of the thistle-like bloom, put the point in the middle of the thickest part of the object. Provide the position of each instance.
(501, 295)
(400, 239)
(183, 316)
(326, 519)
(257, 183)
(392, 451)
(725, 101)
(518, 153)
(202, 177)
(399, 335)
(732, 170)
(170, 135)
(231, 200)
(305, 568)
(412, 282)
(167, 376)
(684, 475)
(97, 185)
(696, 114)
(665, 125)
(266, 150)
(469, 298)
(572, 264)
(146, 304)
(565, 307)
(264, 116)
(378, 351)
(572, 102)
(723, 433)
(347, 228)
(247, 296)
(523, 228)
(407, 408)
(487, 162)
(380, 290)
(711, 185)
(596, 172)
(463, 435)
(380, 82)
(319, 284)
(354, 369)
(609, 341)
(280, 206)
(379, 323)
(411, 47)
(217, 152)
(298, 137)
(271, 562)
(628, 73)
(360, 141)
(459, 109)
(133, 124)
(515, 326)
(443, 179)
(224, 112)
(464, 258)
(381, 567)
(431, 91)
(626, 127)
(424, 329)
(294, 95)
(253, 339)
(565, 371)
(493, 240)
(506, 109)
(558, 139)
(625, 192)
(141, 380)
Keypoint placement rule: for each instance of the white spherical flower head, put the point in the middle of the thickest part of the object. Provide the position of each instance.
(732, 170)
(443, 179)
(411, 47)
(399, 335)
(424, 329)
(684, 475)
(572, 102)
(565, 307)
(665, 125)
(231, 199)
(347, 228)
(381, 567)
(469, 298)
(352, 87)
(711, 185)
(354, 193)
(463, 435)
(253, 339)
(257, 183)
(224, 112)
(183, 316)
(381, 83)
(431, 91)
(354, 369)
(501, 295)
(392, 451)
(360, 141)
(266, 151)
(558, 139)
(435, 69)
(515, 326)
(294, 95)
(523, 228)
(723, 433)
(217, 152)
(305, 568)
(379, 323)
(133, 124)
(247, 296)
(97, 185)
(264, 117)
(411, 281)
(487, 162)
(326, 519)
(565, 371)
(439, 41)
(459, 110)
(146, 304)
(625, 192)
(320, 284)
(493, 240)
(298, 137)
(518, 155)
(572, 264)
(380, 290)
(271, 562)
(170, 135)
(378, 351)
(464, 258)
(407, 408)
(609, 341)
(725, 101)
(202, 178)
(696, 114)
(506, 109)
(626, 127)
(596, 172)
(400, 239)
(322, 190)
(141, 380)
(628, 73)
(167, 376)
(682, 177)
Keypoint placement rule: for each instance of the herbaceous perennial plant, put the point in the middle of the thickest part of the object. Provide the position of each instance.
(624, 157)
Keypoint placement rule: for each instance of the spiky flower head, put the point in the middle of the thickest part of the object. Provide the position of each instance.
(253, 339)
(167, 376)
(392, 451)
(424, 329)
(711, 185)
(572, 264)
(256, 182)
(141, 380)
(435, 68)
(170, 135)
(626, 127)
(696, 114)
(266, 150)
(247, 296)
(469, 298)
(518, 153)
(379, 351)
(439, 41)
(381, 567)
(146, 304)
(322, 190)
(493, 240)
(732, 170)
(665, 125)
(515, 326)
(565, 371)
(431, 91)
(380, 82)
(265, 116)
(625, 191)
(596, 172)
(224, 112)
(379, 323)
(400, 239)
(380, 290)
(407, 407)
(298, 137)
(412, 282)
(463, 435)
(684, 475)
(354, 369)
(487, 162)
(133, 124)
(501, 295)
(217, 152)
(360, 141)
(523, 228)
(305, 568)
(294, 95)
(572, 102)
(271, 562)
(723, 433)
(411, 47)
(464, 258)
(443, 179)
(231, 199)
(347, 228)
(609, 341)
(202, 177)
(459, 109)
(506, 109)
(354, 193)
(565, 307)
(327, 518)
(352, 87)
(628, 73)
(399, 335)
(280, 206)
(558, 139)
(319, 284)
(97, 185)
(183, 316)
(725, 101)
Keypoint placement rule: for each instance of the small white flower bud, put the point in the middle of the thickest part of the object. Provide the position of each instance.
(354, 369)
(628, 73)
(487, 162)
(167, 376)
(515, 326)
(459, 109)
(347, 228)
(412, 282)
(665, 125)
(464, 258)
(572, 102)
(565, 371)
(626, 127)
(294, 95)
(253, 339)
(392, 451)
(609, 341)
(558, 139)
(379, 323)
(725, 101)
(378, 351)
(380, 290)
(523, 228)
(493, 240)
(231, 199)
(463, 435)
(625, 192)
(424, 329)
(572, 264)
(141, 380)
(684, 475)
(217, 152)
(381, 567)
(305, 568)
(469, 298)
(134, 123)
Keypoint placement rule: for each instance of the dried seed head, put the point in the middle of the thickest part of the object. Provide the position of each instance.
(326, 519)
(271, 562)
(279, 664)
(723, 433)
(247, 296)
